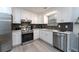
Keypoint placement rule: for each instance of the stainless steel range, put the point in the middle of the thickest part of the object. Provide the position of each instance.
(27, 33)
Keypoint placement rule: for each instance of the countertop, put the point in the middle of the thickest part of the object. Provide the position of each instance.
(66, 32)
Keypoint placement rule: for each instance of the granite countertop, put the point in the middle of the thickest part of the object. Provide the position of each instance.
(66, 32)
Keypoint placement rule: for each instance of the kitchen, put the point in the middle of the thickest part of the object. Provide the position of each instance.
(44, 29)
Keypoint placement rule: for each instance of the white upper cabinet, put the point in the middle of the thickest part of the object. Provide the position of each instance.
(40, 19)
(29, 15)
(75, 13)
(19, 13)
(5, 10)
(63, 14)
(16, 15)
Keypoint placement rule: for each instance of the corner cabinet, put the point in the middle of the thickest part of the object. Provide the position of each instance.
(46, 36)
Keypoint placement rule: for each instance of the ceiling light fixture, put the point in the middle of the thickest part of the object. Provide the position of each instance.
(45, 7)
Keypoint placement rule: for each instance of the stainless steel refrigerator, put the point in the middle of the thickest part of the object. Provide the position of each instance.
(5, 32)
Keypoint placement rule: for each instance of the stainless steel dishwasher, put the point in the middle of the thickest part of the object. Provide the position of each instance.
(60, 41)
(56, 40)
(63, 42)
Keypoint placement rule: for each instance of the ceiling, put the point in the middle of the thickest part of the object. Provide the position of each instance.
(38, 9)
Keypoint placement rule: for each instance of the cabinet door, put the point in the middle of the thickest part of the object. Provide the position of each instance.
(64, 14)
(36, 33)
(49, 37)
(42, 35)
(40, 19)
(16, 15)
(46, 36)
(16, 37)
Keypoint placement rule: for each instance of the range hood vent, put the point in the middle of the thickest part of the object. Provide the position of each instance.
(25, 20)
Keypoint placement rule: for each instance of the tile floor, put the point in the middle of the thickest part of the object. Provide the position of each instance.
(35, 46)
